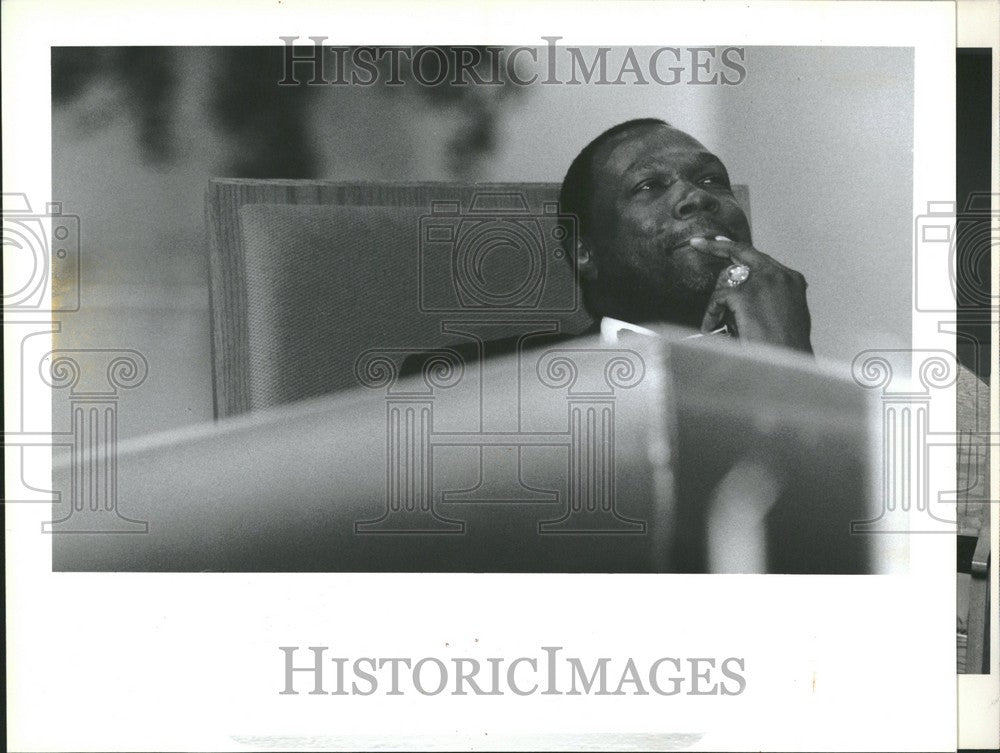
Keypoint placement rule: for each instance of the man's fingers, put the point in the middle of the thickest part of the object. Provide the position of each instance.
(715, 313)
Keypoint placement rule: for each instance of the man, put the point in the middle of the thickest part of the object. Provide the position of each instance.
(661, 238)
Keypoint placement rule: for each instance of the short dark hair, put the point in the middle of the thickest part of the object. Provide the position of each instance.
(577, 186)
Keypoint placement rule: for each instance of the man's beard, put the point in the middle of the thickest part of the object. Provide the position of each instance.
(672, 293)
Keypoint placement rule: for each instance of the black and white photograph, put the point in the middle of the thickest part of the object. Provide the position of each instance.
(326, 326)
(417, 326)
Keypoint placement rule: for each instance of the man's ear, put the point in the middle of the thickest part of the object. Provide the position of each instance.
(585, 263)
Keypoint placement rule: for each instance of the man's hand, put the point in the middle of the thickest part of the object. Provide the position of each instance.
(769, 307)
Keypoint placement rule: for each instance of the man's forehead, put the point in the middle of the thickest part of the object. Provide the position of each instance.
(646, 144)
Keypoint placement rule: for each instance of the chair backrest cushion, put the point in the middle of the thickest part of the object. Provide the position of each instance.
(325, 284)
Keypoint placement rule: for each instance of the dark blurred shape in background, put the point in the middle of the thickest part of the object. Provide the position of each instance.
(266, 125)
(145, 79)
(266, 121)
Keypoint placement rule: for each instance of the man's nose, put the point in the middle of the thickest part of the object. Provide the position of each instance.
(695, 200)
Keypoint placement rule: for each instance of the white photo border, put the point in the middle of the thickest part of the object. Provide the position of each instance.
(136, 662)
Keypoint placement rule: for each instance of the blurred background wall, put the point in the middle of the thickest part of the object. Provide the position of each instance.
(823, 137)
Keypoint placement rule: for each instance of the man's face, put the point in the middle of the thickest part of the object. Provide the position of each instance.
(655, 189)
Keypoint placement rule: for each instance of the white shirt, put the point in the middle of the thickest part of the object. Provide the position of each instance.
(610, 327)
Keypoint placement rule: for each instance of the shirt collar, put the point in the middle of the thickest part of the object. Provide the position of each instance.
(611, 327)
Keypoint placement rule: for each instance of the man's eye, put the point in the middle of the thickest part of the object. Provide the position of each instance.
(653, 184)
(714, 180)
